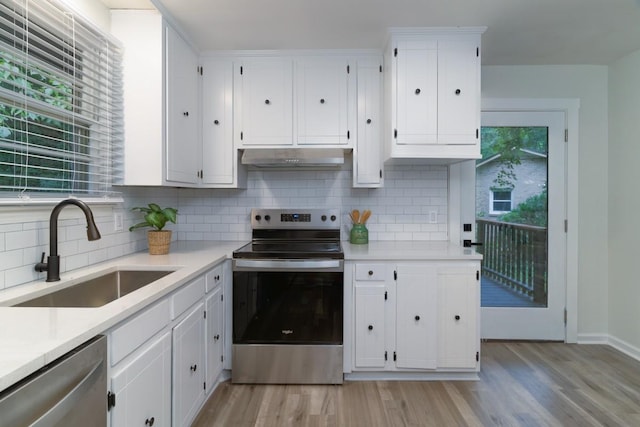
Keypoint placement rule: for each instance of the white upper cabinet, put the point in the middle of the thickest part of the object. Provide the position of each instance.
(181, 123)
(433, 91)
(263, 101)
(323, 86)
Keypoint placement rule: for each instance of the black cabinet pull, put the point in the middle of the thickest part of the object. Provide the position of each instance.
(266, 101)
(368, 121)
(321, 100)
(457, 317)
(216, 122)
(418, 91)
(371, 327)
(417, 318)
(186, 114)
(193, 368)
(216, 337)
(149, 421)
(458, 91)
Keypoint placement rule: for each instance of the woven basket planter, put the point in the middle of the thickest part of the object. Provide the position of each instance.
(159, 241)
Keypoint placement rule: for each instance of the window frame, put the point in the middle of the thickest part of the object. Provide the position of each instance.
(492, 200)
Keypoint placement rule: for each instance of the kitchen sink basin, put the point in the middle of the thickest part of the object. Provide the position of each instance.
(98, 291)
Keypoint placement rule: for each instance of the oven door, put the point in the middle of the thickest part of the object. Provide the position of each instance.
(287, 301)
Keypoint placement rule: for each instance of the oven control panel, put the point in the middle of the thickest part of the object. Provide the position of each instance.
(301, 219)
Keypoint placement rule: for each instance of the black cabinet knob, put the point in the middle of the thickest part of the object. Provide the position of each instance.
(186, 114)
(149, 421)
(333, 217)
(266, 101)
(216, 337)
(458, 91)
(370, 272)
(418, 91)
(217, 278)
(323, 218)
(368, 121)
(216, 122)
(457, 317)
(417, 318)
(322, 101)
(267, 217)
(258, 217)
(193, 368)
(370, 327)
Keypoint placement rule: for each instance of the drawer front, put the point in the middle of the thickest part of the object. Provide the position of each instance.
(370, 272)
(133, 333)
(215, 277)
(187, 296)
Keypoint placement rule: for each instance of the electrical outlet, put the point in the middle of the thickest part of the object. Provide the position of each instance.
(118, 221)
(433, 217)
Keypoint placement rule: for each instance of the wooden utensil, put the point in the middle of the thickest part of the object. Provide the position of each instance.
(365, 216)
(355, 216)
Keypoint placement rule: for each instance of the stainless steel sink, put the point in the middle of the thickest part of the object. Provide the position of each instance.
(98, 291)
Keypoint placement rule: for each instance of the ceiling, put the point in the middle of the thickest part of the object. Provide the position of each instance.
(520, 32)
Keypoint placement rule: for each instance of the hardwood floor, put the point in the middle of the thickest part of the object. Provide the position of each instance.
(521, 384)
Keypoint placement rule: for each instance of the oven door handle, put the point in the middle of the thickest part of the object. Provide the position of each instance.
(251, 264)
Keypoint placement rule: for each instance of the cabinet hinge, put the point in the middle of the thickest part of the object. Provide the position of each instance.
(381, 68)
(380, 173)
(394, 356)
(200, 70)
(478, 51)
(395, 133)
(385, 355)
(222, 358)
(395, 51)
(566, 135)
(395, 275)
(477, 356)
(205, 314)
(477, 274)
(222, 297)
(241, 135)
(241, 70)
(385, 295)
(565, 316)
(477, 133)
(348, 134)
(348, 69)
(566, 225)
(204, 385)
(111, 400)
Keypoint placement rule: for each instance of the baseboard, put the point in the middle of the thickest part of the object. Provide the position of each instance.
(620, 345)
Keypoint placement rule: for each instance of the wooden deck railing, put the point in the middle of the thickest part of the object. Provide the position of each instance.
(515, 255)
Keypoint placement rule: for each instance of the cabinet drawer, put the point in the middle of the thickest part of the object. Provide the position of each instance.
(133, 333)
(214, 277)
(370, 272)
(187, 296)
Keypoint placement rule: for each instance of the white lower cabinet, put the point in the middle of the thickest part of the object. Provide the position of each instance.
(167, 358)
(188, 366)
(415, 316)
(143, 387)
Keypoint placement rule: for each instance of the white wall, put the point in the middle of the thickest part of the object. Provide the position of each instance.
(589, 84)
(624, 200)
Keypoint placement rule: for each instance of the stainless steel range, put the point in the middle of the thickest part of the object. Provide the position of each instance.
(288, 299)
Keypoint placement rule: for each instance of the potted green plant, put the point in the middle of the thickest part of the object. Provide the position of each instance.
(156, 218)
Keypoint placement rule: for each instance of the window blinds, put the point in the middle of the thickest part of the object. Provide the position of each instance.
(61, 122)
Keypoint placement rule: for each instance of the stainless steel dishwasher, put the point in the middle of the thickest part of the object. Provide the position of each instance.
(71, 391)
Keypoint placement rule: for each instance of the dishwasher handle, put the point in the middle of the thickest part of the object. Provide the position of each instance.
(66, 404)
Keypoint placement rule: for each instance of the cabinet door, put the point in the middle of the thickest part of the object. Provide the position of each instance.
(458, 301)
(264, 102)
(214, 328)
(182, 158)
(367, 171)
(416, 318)
(369, 324)
(218, 161)
(188, 366)
(322, 85)
(458, 92)
(143, 387)
(416, 67)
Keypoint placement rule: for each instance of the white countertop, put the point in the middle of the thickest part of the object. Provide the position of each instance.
(408, 251)
(31, 337)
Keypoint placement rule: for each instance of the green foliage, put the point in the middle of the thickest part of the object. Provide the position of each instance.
(507, 142)
(532, 211)
(155, 217)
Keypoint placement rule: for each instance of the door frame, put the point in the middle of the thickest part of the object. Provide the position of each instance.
(462, 203)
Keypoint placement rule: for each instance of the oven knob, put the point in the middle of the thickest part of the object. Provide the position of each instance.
(333, 217)
(267, 217)
(323, 218)
(258, 217)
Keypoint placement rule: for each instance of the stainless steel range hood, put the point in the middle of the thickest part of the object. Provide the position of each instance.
(293, 157)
